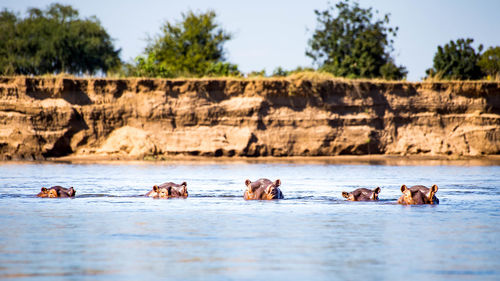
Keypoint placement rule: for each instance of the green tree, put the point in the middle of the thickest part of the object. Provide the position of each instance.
(8, 42)
(193, 46)
(489, 62)
(54, 40)
(348, 42)
(456, 60)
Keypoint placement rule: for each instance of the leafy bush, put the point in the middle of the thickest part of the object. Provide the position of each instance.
(222, 69)
(280, 72)
(391, 71)
(489, 62)
(255, 73)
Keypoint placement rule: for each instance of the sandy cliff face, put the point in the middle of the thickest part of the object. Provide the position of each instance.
(53, 117)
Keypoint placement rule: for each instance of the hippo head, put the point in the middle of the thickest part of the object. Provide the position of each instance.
(66, 192)
(50, 193)
(362, 194)
(263, 189)
(160, 192)
(179, 190)
(418, 195)
(57, 191)
(272, 191)
(169, 190)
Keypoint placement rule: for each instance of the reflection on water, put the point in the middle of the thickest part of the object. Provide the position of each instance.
(110, 231)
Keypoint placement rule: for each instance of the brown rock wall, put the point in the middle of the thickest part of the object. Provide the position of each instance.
(53, 117)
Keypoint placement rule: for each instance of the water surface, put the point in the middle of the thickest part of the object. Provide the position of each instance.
(110, 232)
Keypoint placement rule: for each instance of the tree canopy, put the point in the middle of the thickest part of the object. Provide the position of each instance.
(52, 41)
(489, 62)
(193, 46)
(457, 60)
(348, 42)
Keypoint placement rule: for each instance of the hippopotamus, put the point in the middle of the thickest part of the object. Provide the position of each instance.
(418, 195)
(362, 194)
(169, 190)
(263, 189)
(57, 191)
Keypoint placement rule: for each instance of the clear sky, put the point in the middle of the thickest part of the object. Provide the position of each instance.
(268, 34)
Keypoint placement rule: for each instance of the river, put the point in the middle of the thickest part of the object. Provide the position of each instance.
(110, 232)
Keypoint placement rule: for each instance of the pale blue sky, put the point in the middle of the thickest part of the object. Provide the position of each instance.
(268, 34)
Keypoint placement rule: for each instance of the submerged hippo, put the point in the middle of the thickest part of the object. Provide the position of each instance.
(57, 191)
(418, 195)
(263, 189)
(362, 194)
(169, 190)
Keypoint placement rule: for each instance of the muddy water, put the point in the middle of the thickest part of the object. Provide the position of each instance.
(109, 232)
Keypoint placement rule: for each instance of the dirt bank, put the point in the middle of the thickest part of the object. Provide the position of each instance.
(153, 118)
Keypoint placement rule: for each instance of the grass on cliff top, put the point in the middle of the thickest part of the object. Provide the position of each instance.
(313, 76)
(317, 77)
(438, 79)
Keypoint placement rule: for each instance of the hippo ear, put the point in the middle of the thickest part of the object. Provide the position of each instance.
(277, 183)
(155, 188)
(432, 192)
(345, 194)
(184, 188)
(247, 182)
(375, 193)
(404, 188)
(44, 189)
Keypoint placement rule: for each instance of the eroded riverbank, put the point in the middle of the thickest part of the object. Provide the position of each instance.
(296, 116)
